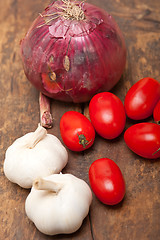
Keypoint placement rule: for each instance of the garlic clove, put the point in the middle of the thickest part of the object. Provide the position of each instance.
(36, 154)
(61, 205)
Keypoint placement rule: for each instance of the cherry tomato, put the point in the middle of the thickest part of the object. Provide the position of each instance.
(106, 181)
(141, 98)
(77, 131)
(156, 113)
(144, 139)
(107, 115)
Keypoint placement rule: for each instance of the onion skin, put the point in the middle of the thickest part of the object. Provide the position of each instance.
(72, 60)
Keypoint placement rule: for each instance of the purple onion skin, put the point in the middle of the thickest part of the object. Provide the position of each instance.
(72, 60)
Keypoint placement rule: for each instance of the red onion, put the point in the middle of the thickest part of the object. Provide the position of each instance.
(73, 50)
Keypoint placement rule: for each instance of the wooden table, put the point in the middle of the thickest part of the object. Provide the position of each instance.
(137, 216)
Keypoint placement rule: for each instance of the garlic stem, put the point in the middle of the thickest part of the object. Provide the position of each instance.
(46, 119)
(42, 184)
(38, 135)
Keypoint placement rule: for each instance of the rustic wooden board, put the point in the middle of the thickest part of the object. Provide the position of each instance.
(137, 216)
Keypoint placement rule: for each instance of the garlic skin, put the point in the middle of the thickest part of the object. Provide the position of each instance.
(36, 154)
(57, 204)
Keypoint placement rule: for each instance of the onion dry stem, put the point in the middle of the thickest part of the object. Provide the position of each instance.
(46, 119)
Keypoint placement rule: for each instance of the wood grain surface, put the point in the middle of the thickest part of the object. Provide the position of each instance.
(137, 216)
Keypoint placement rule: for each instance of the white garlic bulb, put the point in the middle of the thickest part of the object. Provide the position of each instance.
(36, 154)
(58, 203)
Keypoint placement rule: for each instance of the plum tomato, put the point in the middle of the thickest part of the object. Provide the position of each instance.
(156, 113)
(107, 115)
(144, 139)
(141, 98)
(106, 181)
(76, 131)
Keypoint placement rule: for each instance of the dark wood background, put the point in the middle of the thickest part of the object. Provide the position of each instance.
(137, 216)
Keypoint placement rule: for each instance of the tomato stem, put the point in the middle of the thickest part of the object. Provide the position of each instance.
(156, 151)
(82, 140)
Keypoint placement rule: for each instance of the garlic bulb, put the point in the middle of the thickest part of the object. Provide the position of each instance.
(58, 203)
(36, 154)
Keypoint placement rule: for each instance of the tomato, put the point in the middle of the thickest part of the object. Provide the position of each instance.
(106, 181)
(156, 113)
(141, 98)
(144, 139)
(77, 131)
(107, 115)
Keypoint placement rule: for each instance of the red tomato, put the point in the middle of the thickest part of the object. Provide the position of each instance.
(107, 181)
(77, 131)
(107, 115)
(156, 113)
(144, 139)
(141, 98)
